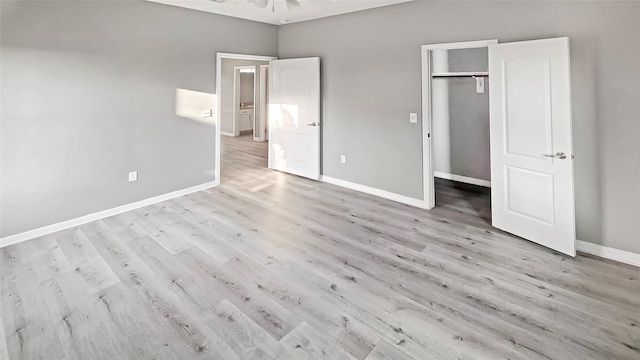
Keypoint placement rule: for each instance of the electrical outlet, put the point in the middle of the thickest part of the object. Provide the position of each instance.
(413, 118)
(343, 159)
(133, 176)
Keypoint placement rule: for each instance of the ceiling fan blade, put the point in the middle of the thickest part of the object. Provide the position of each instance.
(292, 4)
(261, 3)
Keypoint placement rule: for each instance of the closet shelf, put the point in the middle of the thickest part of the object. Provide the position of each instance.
(461, 74)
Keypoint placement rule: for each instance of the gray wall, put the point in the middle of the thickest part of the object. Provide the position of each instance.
(89, 93)
(227, 90)
(371, 82)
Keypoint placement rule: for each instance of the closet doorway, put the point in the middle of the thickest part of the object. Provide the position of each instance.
(516, 140)
(460, 173)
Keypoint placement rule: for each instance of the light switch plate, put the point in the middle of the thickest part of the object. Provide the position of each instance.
(207, 113)
(413, 118)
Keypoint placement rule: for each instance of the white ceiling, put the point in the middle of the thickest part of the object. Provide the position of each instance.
(309, 9)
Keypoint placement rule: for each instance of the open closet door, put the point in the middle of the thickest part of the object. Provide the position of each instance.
(294, 116)
(531, 142)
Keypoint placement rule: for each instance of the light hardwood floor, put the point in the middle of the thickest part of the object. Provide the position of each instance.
(273, 266)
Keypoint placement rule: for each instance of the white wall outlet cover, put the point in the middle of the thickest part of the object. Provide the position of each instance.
(133, 176)
(413, 118)
(343, 159)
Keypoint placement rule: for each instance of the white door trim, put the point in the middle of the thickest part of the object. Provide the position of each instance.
(264, 104)
(219, 57)
(428, 194)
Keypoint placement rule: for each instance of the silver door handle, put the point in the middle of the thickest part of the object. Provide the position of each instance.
(312, 124)
(558, 155)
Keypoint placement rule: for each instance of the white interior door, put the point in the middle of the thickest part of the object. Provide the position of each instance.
(531, 142)
(294, 116)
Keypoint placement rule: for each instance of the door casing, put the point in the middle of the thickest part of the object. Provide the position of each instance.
(262, 121)
(428, 182)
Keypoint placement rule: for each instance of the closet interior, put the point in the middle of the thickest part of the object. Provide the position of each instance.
(460, 129)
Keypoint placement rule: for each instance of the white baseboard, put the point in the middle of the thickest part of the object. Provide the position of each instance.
(375, 192)
(49, 229)
(226, 133)
(623, 256)
(606, 252)
(463, 179)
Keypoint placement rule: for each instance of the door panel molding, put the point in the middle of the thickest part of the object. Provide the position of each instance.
(530, 119)
(294, 116)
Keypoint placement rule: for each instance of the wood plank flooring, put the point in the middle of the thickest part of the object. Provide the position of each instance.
(273, 266)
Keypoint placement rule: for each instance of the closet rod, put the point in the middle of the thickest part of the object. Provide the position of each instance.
(461, 74)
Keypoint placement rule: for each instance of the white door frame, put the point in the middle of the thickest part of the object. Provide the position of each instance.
(236, 95)
(428, 195)
(263, 120)
(219, 57)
